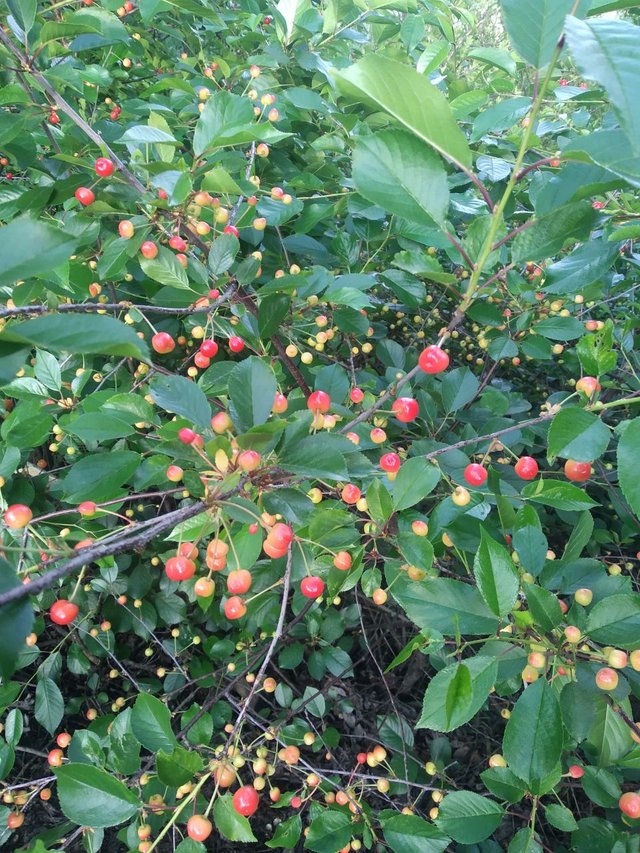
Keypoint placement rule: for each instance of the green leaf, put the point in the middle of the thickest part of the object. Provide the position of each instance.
(504, 784)
(92, 797)
(16, 623)
(577, 434)
(535, 26)
(177, 767)
(143, 134)
(560, 817)
(416, 479)
(379, 502)
(628, 454)
(550, 232)
(78, 335)
(24, 11)
(468, 817)
(411, 99)
(575, 272)
(98, 426)
(165, 269)
(606, 52)
(494, 56)
(287, 834)
(328, 832)
(403, 175)
(181, 396)
(99, 476)
(319, 456)
(458, 387)
(252, 389)
(500, 116)
(49, 707)
(271, 312)
(218, 180)
(226, 119)
(496, 575)
(533, 740)
(151, 724)
(230, 824)
(560, 496)
(580, 537)
(447, 605)
(436, 713)
(615, 621)
(411, 834)
(417, 550)
(544, 607)
(223, 252)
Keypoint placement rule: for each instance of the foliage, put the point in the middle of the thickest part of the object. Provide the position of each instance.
(288, 291)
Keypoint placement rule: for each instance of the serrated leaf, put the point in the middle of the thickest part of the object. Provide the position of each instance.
(532, 743)
(181, 396)
(628, 454)
(230, 824)
(49, 706)
(92, 797)
(165, 269)
(415, 480)
(496, 575)
(577, 434)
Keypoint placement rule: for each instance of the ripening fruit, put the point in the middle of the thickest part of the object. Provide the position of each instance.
(460, 496)
(239, 581)
(204, 587)
(234, 607)
(104, 167)
(162, 342)
(280, 404)
(573, 634)
(149, 250)
(356, 395)
(126, 229)
(62, 612)
(186, 435)
(634, 660)
(87, 509)
(584, 597)
(379, 597)
(526, 468)
(236, 344)
(174, 473)
(231, 229)
(199, 828)
(617, 659)
(606, 678)
(209, 348)
(85, 196)
(246, 800)
(180, 568)
(576, 771)
(405, 409)
(319, 401)
(17, 516)
(249, 460)
(433, 359)
(350, 494)
(63, 740)
(176, 242)
(588, 385)
(342, 561)
(221, 422)
(629, 804)
(419, 527)
(15, 820)
(312, 587)
(55, 758)
(390, 462)
(475, 474)
(578, 472)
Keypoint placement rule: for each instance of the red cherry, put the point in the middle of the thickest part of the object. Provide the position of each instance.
(186, 435)
(296, 802)
(342, 561)
(62, 612)
(576, 771)
(55, 758)
(128, 5)
(281, 535)
(63, 740)
(149, 250)
(15, 820)
(180, 568)
(356, 395)
(350, 494)
(231, 229)
(174, 473)
(163, 194)
(361, 758)
(433, 359)
(126, 229)
(475, 474)
(87, 508)
(214, 293)
(246, 800)
(239, 581)
(319, 401)
(199, 828)
(201, 360)
(526, 468)
(390, 462)
(280, 404)
(312, 587)
(629, 804)
(17, 516)
(236, 344)
(209, 348)
(272, 550)
(578, 472)
(54, 118)
(405, 409)
(177, 243)
(588, 385)
(85, 196)
(104, 167)
(249, 460)
(162, 342)
(234, 607)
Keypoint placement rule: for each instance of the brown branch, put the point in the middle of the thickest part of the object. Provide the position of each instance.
(459, 248)
(546, 161)
(513, 233)
(627, 720)
(522, 425)
(484, 192)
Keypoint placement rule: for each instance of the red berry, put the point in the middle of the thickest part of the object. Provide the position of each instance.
(319, 401)
(54, 118)
(62, 612)
(234, 607)
(85, 196)
(606, 678)
(390, 462)
(576, 771)
(405, 409)
(186, 435)
(588, 385)
(209, 348)
(126, 229)
(475, 474)
(15, 820)
(350, 494)
(281, 535)
(246, 800)
(104, 167)
(17, 516)
(199, 828)
(87, 508)
(180, 568)
(526, 468)
(361, 758)
(201, 360)
(629, 804)
(578, 472)
(55, 758)
(149, 250)
(296, 802)
(174, 473)
(239, 581)
(162, 342)
(342, 561)
(249, 460)
(280, 404)
(356, 395)
(236, 344)
(312, 587)
(433, 359)
(177, 243)
(231, 229)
